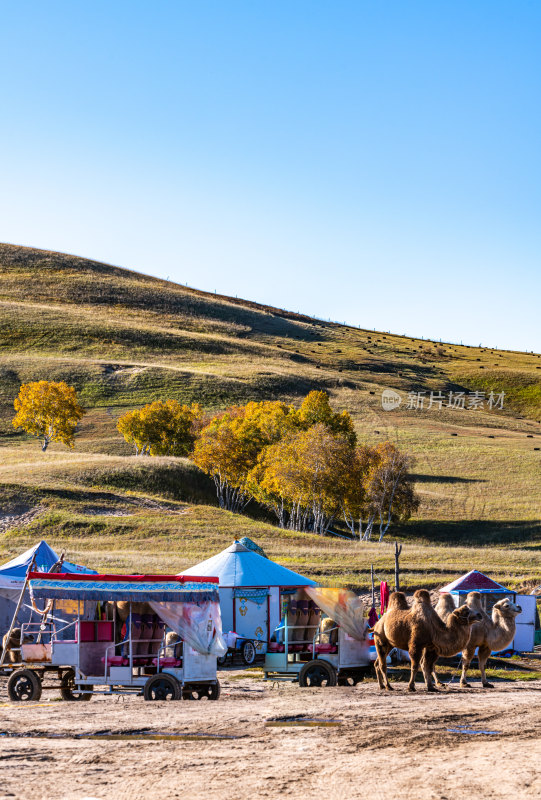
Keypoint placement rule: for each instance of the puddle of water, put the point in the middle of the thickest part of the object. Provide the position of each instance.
(304, 722)
(472, 732)
(119, 737)
(157, 737)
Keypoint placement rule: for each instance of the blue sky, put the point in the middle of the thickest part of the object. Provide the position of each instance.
(373, 162)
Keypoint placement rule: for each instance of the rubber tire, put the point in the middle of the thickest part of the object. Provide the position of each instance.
(320, 671)
(162, 687)
(248, 653)
(210, 691)
(29, 681)
(67, 689)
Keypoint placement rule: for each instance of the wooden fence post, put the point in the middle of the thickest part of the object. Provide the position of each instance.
(397, 551)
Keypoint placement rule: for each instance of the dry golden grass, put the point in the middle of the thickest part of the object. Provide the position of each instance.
(123, 339)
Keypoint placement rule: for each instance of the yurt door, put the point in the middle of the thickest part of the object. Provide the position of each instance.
(525, 622)
(251, 616)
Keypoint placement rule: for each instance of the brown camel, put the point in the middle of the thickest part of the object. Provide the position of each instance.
(489, 635)
(13, 644)
(421, 632)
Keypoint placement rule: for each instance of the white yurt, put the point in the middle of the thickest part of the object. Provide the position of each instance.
(251, 590)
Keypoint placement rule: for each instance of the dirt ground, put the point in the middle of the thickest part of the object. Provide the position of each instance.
(393, 745)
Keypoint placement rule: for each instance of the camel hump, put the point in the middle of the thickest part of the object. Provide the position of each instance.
(397, 602)
(445, 606)
(422, 596)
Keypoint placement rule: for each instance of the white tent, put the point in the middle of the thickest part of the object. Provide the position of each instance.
(13, 573)
(250, 590)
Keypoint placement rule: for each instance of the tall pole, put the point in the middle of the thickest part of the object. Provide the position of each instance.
(57, 567)
(21, 596)
(397, 551)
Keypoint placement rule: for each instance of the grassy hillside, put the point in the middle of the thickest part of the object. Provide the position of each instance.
(123, 339)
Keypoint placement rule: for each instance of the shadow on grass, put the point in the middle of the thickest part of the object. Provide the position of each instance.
(524, 534)
(445, 479)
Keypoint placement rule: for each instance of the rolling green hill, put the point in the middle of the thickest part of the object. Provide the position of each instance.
(123, 339)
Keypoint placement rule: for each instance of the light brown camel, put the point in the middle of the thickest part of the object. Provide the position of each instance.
(13, 656)
(489, 635)
(421, 632)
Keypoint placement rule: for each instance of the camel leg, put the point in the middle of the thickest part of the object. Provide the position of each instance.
(382, 649)
(415, 658)
(428, 665)
(484, 653)
(467, 656)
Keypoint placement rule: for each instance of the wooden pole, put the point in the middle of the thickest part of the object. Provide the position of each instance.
(372, 585)
(23, 590)
(397, 551)
(57, 567)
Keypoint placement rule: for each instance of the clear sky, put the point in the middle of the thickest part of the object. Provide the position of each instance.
(373, 162)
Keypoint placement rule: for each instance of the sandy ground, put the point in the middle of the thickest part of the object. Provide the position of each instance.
(393, 745)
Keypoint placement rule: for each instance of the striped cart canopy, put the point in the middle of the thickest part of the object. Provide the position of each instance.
(131, 588)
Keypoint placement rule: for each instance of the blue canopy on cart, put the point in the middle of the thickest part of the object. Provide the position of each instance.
(131, 588)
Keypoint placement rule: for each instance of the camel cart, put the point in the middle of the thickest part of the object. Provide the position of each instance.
(84, 657)
(318, 650)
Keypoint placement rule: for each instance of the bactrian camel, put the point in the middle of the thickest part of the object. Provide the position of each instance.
(421, 632)
(489, 635)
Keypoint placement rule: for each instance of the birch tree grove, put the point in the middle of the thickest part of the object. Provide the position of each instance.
(302, 463)
(301, 478)
(228, 447)
(380, 491)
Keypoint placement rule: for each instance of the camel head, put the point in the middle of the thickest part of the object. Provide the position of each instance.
(465, 615)
(473, 600)
(507, 608)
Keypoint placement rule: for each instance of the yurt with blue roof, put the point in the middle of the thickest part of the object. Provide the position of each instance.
(252, 591)
(13, 574)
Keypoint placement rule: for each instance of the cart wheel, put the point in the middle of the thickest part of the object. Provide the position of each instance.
(68, 690)
(197, 692)
(248, 653)
(317, 673)
(24, 684)
(162, 687)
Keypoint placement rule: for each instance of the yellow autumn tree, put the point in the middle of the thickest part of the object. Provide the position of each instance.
(316, 409)
(161, 428)
(48, 410)
(228, 447)
(380, 491)
(303, 478)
